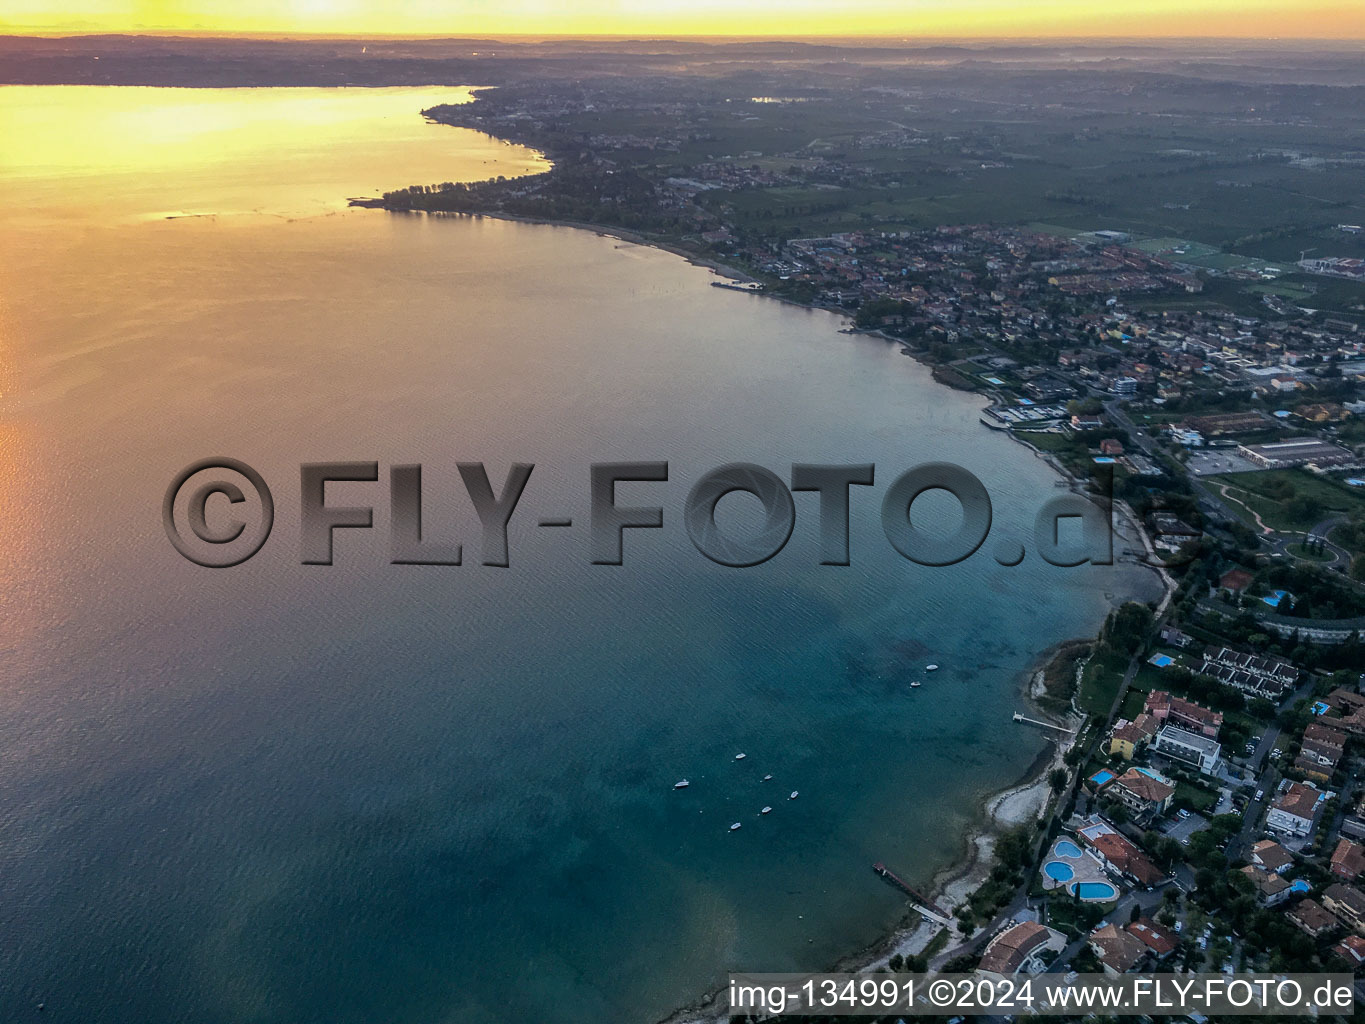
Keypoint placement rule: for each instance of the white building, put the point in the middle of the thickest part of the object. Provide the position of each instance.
(1201, 752)
(1297, 809)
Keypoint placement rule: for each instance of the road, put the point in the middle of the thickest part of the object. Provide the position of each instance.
(1267, 778)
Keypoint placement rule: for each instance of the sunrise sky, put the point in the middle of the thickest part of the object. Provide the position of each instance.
(1285, 18)
(1339, 19)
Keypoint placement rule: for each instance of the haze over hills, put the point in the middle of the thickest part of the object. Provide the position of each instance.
(239, 61)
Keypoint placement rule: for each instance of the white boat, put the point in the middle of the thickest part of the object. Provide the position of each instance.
(734, 826)
(931, 668)
(740, 756)
(766, 810)
(794, 795)
(916, 684)
(681, 784)
(767, 778)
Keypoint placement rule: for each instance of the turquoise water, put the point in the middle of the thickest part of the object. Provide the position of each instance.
(1057, 870)
(1067, 848)
(365, 792)
(1095, 891)
(1101, 777)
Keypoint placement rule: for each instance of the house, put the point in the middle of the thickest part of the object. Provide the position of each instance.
(1087, 422)
(1170, 710)
(1354, 823)
(1256, 675)
(1271, 856)
(1199, 752)
(1312, 918)
(1111, 446)
(1320, 751)
(1020, 948)
(1296, 810)
(1169, 531)
(1144, 792)
(1176, 637)
(1117, 854)
(1325, 741)
(1130, 737)
(1234, 581)
(1271, 889)
(1348, 904)
(1351, 949)
(1117, 950)
(1348, 860)
(1351, 706)
(1159, 940)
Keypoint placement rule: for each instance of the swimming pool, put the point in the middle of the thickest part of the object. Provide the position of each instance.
(1101, 777)
(1095, 892)
(1066, 848)
(1058, 871)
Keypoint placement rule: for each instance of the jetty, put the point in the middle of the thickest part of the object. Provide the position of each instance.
(1025, 720)
(922, 903)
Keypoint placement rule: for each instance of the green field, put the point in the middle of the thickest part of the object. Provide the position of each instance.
(1258, 491)
(1100, 684)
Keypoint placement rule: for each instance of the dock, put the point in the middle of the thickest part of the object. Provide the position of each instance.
(922, 903)
(1042, 725)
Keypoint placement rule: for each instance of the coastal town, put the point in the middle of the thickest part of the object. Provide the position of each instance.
(1206, 808)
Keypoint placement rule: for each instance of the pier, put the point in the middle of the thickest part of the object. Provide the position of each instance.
(923, 904)
(1042, 725)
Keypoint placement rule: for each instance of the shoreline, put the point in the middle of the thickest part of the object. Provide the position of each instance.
(996, 810)
(1024, 799)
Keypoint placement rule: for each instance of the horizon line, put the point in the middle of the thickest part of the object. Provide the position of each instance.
(14, 33)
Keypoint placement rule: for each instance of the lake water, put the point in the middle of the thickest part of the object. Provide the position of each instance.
(287, 793)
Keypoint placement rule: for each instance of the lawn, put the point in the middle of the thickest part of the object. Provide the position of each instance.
(1100, 684)
(1254, 489)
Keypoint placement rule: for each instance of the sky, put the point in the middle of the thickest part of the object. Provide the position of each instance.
(1322, 19)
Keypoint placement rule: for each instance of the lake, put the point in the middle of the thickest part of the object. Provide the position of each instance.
(295, 793)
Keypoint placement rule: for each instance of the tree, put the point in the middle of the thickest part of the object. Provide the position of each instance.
(1057, 779)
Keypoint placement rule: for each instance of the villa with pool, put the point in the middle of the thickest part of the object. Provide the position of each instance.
(1098, 864)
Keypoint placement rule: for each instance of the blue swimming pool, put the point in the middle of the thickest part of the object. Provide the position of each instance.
(1096, 892)
(1058, 871)
(1066, 848)
(1101, 777)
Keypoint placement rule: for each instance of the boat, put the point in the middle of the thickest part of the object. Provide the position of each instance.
(794, 795)
(681, 784)
(915, 684)
(734, 826)
(931, 668)
(766, 810)
(740, 756)
(767, 778)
